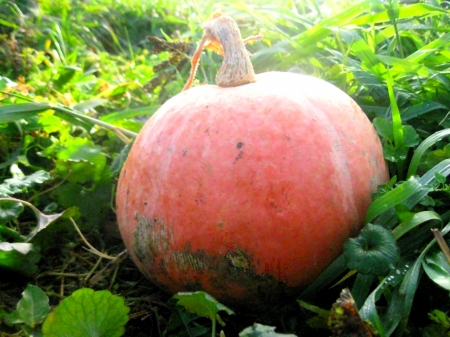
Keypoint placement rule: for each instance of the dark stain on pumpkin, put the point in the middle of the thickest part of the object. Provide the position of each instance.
(239, 156)
(239, 145)
(152, 245)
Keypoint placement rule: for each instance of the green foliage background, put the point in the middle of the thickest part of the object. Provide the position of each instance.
(79, 78)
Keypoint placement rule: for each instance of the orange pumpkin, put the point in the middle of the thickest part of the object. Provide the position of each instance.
(247, 192)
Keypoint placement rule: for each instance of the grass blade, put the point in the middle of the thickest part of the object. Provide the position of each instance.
(16, 112)
(422, 148)
(392, 198)
(416, 220)
(405, 12)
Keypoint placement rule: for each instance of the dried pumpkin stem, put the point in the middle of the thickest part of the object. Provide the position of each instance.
(222, 35)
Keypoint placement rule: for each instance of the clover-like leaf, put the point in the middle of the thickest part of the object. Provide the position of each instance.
(437, 268)
(202, 304)
(19, 257)
(259, 330)
(374, 251)
(87, 314)
(31, 309)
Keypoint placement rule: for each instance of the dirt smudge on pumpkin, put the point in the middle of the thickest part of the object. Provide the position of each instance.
(223, 273)
(152, 239)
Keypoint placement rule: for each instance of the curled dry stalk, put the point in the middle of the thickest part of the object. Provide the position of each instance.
(92, 249)
(222, 35)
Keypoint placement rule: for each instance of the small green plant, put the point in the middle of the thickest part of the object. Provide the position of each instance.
(203, 305)
(31, 311)
(84, 313)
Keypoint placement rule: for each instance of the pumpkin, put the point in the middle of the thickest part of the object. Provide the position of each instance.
(248, 189)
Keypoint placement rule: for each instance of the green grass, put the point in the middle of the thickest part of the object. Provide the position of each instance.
(78, 80)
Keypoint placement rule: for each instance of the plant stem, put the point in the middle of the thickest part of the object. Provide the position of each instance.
(442, 244)
(95, 121)
(222, 35)
(213, 334)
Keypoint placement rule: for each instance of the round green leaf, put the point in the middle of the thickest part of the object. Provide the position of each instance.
(87, 313)
(10, 210)
(202, 304)
(374, 251)
(32, 308)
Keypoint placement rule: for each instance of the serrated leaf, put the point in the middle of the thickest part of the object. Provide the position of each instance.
(19, 257)
(31, 309)
(88, 314)
(81, 160)
(438, 269)
(19, 182)
(373, 252)
(259, 330)
(202, 304)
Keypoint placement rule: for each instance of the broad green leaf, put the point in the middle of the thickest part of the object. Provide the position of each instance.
(9, 210)
(435, 157)
(259, 330)
(19, 257)
(31, 309)
(373, 252)
(383, 127)
(202, 304)
(394, 154)
(80, 159)
(21, 181)
(88, 314)
(437, 268)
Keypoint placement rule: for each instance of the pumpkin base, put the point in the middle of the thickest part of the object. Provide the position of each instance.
(230, 278)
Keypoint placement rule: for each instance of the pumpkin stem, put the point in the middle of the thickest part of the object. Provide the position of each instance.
(222, 35)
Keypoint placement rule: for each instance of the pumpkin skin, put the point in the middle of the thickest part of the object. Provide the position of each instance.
(248, 192)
